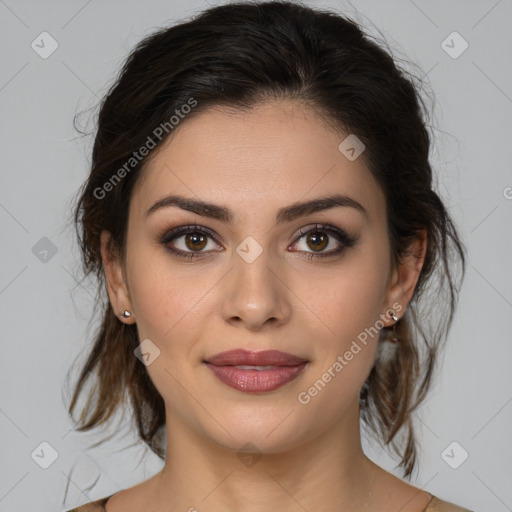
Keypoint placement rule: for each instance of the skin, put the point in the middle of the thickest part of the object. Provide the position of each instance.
(307, 456)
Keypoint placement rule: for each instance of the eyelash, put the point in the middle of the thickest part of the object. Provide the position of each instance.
(342, 237)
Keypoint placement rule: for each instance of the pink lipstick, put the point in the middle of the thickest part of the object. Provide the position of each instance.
(255, 372)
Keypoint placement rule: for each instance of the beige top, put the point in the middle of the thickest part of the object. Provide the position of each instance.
(434, 505)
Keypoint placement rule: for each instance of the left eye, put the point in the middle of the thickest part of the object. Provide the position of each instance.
(316, 240)
(320, 238)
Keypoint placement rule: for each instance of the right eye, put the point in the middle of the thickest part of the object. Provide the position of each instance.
(194, 240)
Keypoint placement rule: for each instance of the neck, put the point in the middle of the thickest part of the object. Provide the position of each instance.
(327, 472)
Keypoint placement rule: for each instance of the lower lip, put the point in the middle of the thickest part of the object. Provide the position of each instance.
(256, 381)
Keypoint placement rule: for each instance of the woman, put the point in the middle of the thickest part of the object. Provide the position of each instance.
(260, 209)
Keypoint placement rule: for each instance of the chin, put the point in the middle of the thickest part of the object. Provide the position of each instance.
(259, 429)
(258, 443)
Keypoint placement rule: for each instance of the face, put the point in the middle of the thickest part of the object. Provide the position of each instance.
(314, 283)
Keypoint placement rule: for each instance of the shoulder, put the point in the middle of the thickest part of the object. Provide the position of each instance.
(93, 506)
(437, 505)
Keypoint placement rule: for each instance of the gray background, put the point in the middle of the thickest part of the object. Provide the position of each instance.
(45, 313)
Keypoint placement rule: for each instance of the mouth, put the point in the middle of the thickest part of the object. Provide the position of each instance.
(255, 372)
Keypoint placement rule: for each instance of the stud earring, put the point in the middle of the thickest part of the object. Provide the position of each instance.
(394, 339)
(126, 314)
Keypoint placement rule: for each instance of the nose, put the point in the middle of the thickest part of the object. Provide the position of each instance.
(255, 294)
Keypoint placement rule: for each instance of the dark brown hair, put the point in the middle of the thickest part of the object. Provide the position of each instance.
(240, 54)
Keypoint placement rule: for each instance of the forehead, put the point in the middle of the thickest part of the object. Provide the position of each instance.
(254, 160)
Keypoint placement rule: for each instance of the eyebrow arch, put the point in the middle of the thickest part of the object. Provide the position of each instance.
(286, 214)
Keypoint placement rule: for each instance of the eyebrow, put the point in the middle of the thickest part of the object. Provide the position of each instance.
(286, 214)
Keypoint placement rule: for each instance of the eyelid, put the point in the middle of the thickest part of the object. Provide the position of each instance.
(173, 233)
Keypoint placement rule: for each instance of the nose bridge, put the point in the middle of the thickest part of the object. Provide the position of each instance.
(255, 293)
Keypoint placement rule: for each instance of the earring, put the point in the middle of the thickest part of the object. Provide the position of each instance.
(393, 339)
(126, 314)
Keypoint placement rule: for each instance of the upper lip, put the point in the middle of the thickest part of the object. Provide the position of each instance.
(249, 358)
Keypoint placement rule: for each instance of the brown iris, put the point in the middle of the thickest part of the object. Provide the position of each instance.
(198, 241)
(319, 240)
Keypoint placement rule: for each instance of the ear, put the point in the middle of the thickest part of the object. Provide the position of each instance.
(116, 285)
(406, 275)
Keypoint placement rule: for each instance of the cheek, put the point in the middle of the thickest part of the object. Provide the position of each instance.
(169, 301)
(167, 298)
(351, 298)
(349, 307)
